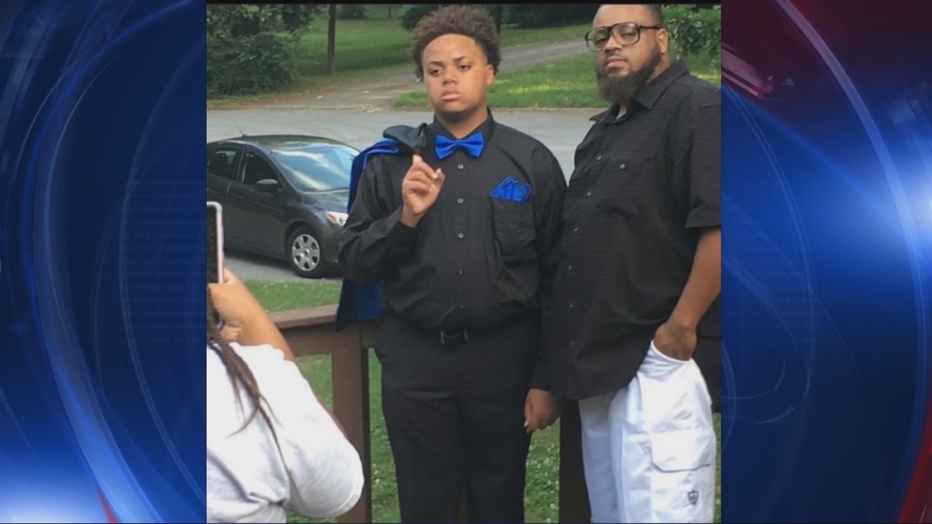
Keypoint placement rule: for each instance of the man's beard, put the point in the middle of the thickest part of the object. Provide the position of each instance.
(621, 90)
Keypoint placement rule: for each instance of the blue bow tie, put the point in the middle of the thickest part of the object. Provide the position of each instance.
(472, 145)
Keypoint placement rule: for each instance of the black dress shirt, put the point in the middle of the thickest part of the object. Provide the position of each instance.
(474, 262)
(644, 187)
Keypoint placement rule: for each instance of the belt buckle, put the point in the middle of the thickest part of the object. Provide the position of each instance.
(444, 337)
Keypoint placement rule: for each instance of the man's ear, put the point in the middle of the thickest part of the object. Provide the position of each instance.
(663, 40)
(489, 75)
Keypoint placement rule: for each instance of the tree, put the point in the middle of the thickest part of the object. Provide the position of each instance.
(242, 20)
(252, 49)
(332, 40)
(498, 12)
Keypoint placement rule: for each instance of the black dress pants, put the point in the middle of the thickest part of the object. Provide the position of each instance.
(455, 420)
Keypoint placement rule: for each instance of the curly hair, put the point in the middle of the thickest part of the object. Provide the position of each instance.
(458, 20)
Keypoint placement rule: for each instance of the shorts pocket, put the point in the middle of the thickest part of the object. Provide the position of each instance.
(513, 227)
(683, 475)
(663, 356)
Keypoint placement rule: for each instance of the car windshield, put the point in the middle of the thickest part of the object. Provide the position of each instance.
(317, 167)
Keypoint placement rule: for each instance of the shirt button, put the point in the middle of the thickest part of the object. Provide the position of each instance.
(569, 267)
(622, 166)
(462, 272)
(589, 193)
(598, 157)
(460, 167)
(460, 200)
(573, 343)
(461, 236)
(462, 306)
(575, 229)
(571, 306)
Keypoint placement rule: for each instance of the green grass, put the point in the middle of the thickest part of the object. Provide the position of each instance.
(285, 296)
(566, 83)
(367, 49)
(541, 496)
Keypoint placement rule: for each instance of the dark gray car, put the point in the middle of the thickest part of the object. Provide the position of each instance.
(283, 196)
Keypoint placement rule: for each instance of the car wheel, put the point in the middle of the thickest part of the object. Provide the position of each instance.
(305, 254)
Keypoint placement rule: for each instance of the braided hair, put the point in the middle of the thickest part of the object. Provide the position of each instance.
(240, 375)
(236, 367)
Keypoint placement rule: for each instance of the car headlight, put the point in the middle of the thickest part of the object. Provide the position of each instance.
(337, 218)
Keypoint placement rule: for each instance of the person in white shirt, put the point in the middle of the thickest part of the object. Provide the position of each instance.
(271, 443)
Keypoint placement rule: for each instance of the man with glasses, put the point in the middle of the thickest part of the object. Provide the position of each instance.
(635, 311)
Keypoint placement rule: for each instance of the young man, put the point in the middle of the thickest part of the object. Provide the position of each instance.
(635, 301)
(462, 236)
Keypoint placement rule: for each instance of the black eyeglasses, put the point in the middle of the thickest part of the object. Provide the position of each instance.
(627, 33)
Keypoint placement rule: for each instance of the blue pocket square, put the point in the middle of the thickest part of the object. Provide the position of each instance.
(511, 190)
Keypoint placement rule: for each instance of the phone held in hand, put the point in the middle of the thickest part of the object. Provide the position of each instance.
(214, 243)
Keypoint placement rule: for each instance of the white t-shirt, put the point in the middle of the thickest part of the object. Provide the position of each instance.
(246, 476)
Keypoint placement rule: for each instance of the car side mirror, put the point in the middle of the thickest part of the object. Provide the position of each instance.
(268, 185)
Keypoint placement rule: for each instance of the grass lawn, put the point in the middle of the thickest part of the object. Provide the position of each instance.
(565, 83)
(541, 495)
(367, 49)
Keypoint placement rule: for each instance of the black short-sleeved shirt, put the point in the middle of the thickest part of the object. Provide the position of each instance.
(475, 261)
(644, 187)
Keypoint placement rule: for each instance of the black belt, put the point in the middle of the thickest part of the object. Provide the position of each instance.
(451, 339)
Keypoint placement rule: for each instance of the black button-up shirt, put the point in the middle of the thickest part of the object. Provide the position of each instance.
(474, 262)
(644, 186)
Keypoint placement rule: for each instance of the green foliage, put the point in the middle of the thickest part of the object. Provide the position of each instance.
(237, 20)
(695, 31)
(352, 12)
(251, 48)
(247, 65)
(546, 15)
(297, 16)
(414, 13)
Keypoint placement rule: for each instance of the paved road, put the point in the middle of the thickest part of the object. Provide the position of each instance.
(561, 131)
(380, 93)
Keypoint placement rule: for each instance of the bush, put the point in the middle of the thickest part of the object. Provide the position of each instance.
(543, 15)
(352, 12)
(695, 31)
(414, 13)
(249, 65)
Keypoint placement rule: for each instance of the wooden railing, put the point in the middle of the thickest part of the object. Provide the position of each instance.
(310, 332)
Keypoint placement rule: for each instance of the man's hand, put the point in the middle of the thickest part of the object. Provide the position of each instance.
(676, 340)
(541, 409)
(419, 190)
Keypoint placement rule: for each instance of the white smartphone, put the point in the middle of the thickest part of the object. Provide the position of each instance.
(214, 243)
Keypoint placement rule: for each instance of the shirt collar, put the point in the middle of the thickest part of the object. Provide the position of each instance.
(649, 93)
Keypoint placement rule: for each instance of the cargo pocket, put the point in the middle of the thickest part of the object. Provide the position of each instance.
(513, 227)
(682, 475)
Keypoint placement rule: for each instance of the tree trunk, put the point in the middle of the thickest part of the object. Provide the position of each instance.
(389, 11)
(332, 40)
(499, 9)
